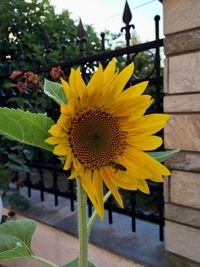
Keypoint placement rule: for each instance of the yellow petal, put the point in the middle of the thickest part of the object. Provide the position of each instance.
(120, 179)
(155, 169)
(135, 90)
(95, 82)
(55, 130)
(143, 142)
(87, 183)
(61, 150)
(64, 122)
(68, 161)
(105, 175)
(138, 167)
(123, 77)
(130, 106)
(66, 89)
(142, 186)
(72, 83)
(80, 84)
(73, 175)
(135, 170)
(67, 110)
(98, 185)
(148, 124)
(109, 91)
(70, 94)
(109, 71)
(76, 164)
(54, 140)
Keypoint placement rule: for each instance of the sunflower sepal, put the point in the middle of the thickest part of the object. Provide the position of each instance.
(55, 91)
(162, 156)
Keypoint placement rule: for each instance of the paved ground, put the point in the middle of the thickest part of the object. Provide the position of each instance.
(143, 246)
(63, 248)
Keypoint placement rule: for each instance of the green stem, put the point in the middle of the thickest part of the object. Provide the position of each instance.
(82, 224)
(44, 261)
(94, 214)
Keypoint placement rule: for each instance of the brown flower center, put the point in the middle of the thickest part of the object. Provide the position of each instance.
(96, 138)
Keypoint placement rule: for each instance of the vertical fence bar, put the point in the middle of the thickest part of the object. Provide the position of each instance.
(103, 62)
(55, 184)
(21, 54)
(71, 189)
(41, 182)
(89, 208)
(33, 60)
(133, 207)
(28, 183)
(63, 48)
(102, 41)
(159, 108)
(161, 212)
(110, 215)
(9, 67)
(47, 47)
(157, 66)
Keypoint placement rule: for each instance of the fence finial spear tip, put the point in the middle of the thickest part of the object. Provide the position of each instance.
(81, 31)
(127, 15)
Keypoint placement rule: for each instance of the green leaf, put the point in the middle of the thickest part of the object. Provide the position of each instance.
(12, 248)
(163, 155)
(25, 127)
(29, 153)
(18, 201)
(18, 168)
(55, 91)
(74, 263)
(8, 85)
(20, 229)
(5, 176)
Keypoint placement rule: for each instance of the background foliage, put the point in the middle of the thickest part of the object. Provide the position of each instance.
(28, 20)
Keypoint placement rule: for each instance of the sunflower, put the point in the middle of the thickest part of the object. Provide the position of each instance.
(102, 134)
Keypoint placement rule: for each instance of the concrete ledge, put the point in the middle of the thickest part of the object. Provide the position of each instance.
(182, 42)
(182, 132)
(183, 215)
(185, 161)
(183, 240)
(184, 73)
(182, 103)
(185, 189)
(173, 260)
(180, 15)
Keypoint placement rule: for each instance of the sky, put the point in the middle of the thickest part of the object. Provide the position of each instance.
(107, 14)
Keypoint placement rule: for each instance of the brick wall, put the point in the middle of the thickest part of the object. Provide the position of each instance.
(182, 100)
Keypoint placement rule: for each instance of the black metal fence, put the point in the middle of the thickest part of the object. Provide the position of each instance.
(60, 186)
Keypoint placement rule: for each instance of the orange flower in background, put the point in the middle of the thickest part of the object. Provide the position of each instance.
(21, 86)
(16, 74)
(31, 78)
(57, 73)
